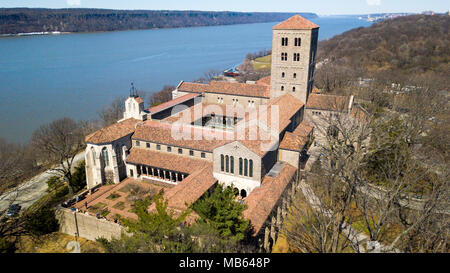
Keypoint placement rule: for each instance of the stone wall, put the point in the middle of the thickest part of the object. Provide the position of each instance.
(86, 226)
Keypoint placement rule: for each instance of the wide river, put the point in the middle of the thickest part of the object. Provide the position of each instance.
(43, 78)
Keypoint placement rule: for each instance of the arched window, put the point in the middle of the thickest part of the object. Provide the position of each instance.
(105, 156)
(295, 75)
(118, 157)
(232, 164)
(240, 165)
(227, 164)
(293, 89)
(243, 193)
(221, 163)
(245, 167)
(282, 88)
(93, 155)
(282, 74)
(236, 191)
(250, 170)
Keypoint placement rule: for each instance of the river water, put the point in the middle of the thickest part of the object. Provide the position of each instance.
(43, 78)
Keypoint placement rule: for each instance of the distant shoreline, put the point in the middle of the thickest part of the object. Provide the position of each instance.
(34, 34)
(32, 21)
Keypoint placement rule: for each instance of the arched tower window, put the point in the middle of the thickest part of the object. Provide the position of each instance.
(105, 156)
(250, 170)
(222, 163)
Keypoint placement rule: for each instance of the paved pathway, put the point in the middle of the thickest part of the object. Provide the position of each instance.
(32, 190)
(356, 237)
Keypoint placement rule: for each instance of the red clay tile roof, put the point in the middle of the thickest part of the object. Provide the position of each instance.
(229, 88)
(139, 100)
(113, 132)
(160, 132)
(190, 189)
(166, 161)
(328, 102)
(296, 140)
(261, 201)
(241, 89)
(171, 103)
(189, 115)
(193, 87)
(264, 81)
(296, 22)
(303, 129)
(293, 142)
(288, 105)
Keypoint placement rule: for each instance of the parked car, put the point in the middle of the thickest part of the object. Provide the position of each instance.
(13, 210)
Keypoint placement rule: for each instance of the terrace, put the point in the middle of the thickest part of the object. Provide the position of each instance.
(112, 201)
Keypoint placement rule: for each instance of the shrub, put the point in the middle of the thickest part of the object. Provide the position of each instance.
(42, 222)
(53, 183)
(79, 177)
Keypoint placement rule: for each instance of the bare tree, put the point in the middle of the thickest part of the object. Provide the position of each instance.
(376, 199)
(113, 112)
(165, 94)
(59, 142)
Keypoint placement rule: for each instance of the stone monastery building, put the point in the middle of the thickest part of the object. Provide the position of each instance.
(253, 137)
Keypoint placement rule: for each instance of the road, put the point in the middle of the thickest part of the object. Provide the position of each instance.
(32, 190)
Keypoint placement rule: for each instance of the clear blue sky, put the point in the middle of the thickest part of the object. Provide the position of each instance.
(322, 7)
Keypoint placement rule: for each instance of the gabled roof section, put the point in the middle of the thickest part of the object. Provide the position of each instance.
(296, 22)
(303, 129)
(160, 132)
(288, 105)
(240, 89)
(297, 140)
(264, 81)
(228, 88)
(172, 103)
(293, 142)
(328, 102)
(113, 132)
(167, 161)
(190, 189)
(192, 87)
(261, 202)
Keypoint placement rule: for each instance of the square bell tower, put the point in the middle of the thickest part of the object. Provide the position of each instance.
(294, 47)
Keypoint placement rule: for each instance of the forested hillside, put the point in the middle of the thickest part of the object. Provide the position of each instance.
(23, 20)
(392, 49)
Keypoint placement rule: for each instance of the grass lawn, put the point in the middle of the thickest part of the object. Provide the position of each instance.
(56, 243)
(262, 63)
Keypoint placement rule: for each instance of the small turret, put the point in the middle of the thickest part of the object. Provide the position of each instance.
(134, 106)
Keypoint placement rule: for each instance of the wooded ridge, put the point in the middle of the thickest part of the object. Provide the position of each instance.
(26, 20)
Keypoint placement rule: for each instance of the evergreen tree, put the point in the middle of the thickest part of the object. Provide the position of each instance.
(223, 213)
